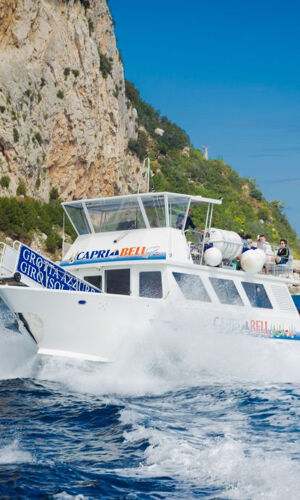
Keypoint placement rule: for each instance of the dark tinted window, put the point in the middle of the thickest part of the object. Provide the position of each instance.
(257, 295)
(151, 285)
(94, 280)
(192, 287)
(226, 291)
(118, 281)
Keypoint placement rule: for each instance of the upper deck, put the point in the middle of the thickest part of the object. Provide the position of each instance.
(148, 226)
(137, 211)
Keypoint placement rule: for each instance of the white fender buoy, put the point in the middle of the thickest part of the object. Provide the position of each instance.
(213, 256)
(252, 261)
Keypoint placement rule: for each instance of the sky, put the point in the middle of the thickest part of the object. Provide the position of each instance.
(228, 73)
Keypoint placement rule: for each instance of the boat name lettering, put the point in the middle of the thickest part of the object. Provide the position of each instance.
(46, 273)
(141, 251)
(255, 326)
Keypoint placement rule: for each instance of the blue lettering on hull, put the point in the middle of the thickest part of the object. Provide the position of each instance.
(49, 275)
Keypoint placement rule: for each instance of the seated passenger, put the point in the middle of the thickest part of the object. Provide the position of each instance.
(251, 245)
(126, 223)
(283, 253)
(264, 245)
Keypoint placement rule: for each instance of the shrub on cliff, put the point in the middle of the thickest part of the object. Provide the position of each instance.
(21, 218)
(21, 189)
(139, 146)
(53, 242)
(5, 181)
(105, 65)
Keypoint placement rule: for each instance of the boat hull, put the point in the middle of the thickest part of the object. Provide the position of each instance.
(95, 326)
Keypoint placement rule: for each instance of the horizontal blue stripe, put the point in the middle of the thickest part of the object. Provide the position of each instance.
(296, 299)
(162, 256)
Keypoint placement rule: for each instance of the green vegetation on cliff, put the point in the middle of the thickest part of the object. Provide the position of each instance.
(23, 218)
(181, 168)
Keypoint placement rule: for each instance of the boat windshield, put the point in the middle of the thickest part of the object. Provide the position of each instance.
(155, 210)
(128, 212)
(115, 214)
(177, 211)
(77, 216)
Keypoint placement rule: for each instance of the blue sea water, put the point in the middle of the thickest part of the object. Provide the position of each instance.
(182, 417)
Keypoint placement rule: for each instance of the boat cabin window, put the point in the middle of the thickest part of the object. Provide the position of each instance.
(150, 284)
(77, 216)
(177, 211)
(95, 280)
(128, 212)
(226, 291)
(192, 287)
(155, 210)
(117, 281)
(115, 214)
(257, 295)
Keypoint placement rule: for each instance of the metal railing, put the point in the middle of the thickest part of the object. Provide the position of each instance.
(196, 242)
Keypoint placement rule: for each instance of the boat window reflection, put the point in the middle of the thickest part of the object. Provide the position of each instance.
(150, 284)
(257, 295)
(192, 287)
(177, 211)
(78, 218)
(115, 215)
(95, 280)
(117, 281)
(155, 210)
(226, 291)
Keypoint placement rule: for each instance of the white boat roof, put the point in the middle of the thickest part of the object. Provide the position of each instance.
(195, 199)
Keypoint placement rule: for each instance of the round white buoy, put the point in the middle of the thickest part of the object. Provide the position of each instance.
(252, 261)
(213, 256)
(261, 254)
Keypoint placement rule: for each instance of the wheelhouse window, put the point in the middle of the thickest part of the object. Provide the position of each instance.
(117, 281)
(257, 295)
(155, 210)
(95, 280)
(150, 284)
(115, 214)
(226, 291)
(177, 211)
(78, 218)
(192, 287)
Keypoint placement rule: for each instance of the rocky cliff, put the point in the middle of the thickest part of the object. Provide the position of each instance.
(64, 119)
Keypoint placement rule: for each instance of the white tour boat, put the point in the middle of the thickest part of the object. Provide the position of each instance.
(132, 265)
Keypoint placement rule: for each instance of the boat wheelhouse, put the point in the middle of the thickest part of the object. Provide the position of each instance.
(134, 228)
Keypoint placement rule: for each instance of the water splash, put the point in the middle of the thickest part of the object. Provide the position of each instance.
(13, 454)
(164, 359)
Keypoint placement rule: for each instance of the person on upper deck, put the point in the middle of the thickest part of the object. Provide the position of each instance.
(265, 246)
(188, 223)
(283, 253)
(248, 244)
(251, 245)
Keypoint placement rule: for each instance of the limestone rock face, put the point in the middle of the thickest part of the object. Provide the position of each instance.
(64, 118)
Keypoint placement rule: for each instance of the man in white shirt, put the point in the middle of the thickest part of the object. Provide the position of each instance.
(265, 247)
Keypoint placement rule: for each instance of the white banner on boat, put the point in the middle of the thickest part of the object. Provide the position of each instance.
(49, 275)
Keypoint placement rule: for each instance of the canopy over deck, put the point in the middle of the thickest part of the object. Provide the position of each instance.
(136, 211)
